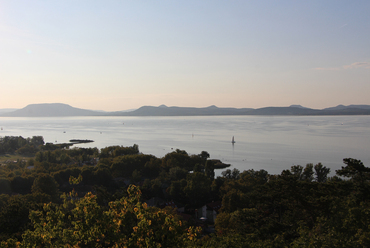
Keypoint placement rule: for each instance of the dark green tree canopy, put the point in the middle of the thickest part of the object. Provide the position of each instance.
(355, 170)
(46, 184)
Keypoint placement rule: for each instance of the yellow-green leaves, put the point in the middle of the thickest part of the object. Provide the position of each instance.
(125, 223)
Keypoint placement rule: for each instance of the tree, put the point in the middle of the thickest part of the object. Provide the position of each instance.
(127, 223)
(303, 174)
(5, 187)
(37, 140)
(204, 155)
(180, 158)
(14, 214)
(197, 168)
(152, 168)
(346, 226)
(233, 200)
(136, 176)
(102, 176)
(40, 157)
(355, 170)
(321, 173)
(198, 188)
(296, 170)
(45, 183)
(177, 173)
(231, 174)
(209, 170)
(27, 150)
(21, 185)
(124, 166)
(307, 174)
(176, 190)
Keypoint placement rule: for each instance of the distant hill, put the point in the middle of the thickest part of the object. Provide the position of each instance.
(60, 109)
(284, 111)
(299, 110)
(297, 106)
(50, 110)
(185, 111)
(7, 110)
(342, 107)
(163, 110)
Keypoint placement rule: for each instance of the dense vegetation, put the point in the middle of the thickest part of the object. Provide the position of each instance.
(57, 196)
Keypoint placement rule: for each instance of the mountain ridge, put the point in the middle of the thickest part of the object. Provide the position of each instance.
(50, 110)
(61, 110)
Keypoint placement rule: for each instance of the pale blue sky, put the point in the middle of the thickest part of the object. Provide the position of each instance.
(116, 55)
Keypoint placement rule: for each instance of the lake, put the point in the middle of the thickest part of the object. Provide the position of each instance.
(273, 143)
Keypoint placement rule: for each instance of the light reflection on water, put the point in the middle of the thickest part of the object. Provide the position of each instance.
(273, 143)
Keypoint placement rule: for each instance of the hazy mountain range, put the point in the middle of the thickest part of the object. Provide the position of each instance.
(60, 109)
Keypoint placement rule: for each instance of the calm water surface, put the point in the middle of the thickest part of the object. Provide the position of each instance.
(273, 143)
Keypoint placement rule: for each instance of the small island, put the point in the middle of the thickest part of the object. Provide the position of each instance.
(79, 141)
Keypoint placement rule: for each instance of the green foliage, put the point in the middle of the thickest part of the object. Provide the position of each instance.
(209, 170)
(124, 166)
(176, 190)
(303, 174)
(179, 159)
(198, 188)
(301, 207)
(74, 180)
(204, 155)
(5, 186)
(177, 173)
(152, 168)
(348, 227)
(355, 170)
(27, 150)
(21, 184)
(321, 173)
(11, 144)
(136, 176)
(231, 174)
(237, 187)
(127, 223)
(46, 184)
(14, 212)
(115, 151)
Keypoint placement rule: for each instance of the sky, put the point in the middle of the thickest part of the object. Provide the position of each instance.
(117, 55)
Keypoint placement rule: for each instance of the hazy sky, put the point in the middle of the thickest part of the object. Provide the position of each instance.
(117, 55)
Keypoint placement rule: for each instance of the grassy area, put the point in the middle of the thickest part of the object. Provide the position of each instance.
(6, 158)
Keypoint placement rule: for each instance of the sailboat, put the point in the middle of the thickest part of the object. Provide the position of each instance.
(232, 140)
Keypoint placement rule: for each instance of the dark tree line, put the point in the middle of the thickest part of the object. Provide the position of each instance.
(28, 146)
(301, 206)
